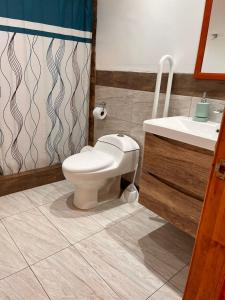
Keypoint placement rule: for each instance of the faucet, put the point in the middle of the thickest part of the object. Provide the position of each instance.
(219, 110)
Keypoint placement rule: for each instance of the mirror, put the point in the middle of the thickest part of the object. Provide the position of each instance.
(211, 54)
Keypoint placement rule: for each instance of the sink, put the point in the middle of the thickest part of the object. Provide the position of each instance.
(185, 130)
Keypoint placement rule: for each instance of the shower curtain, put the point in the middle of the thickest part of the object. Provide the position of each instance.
(45, 51)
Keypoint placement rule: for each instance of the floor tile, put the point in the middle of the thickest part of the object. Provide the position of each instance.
(66, 275)
(13, 204)
(111, 212)
(180, 279)
(64, 186)
(48, 193)
(22, 286)
(123, 271)
(11, 260)
(74, 224)
(155, 242)
(35, 236)
(167, 293)
(132, 207)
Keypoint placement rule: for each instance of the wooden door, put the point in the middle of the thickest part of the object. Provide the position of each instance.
(206, 279)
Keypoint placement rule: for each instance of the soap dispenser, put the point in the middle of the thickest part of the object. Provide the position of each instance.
(202, 110)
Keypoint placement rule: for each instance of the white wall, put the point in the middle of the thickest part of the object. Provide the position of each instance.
(132, 35)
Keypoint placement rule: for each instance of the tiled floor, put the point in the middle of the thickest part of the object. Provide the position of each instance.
(50, 250)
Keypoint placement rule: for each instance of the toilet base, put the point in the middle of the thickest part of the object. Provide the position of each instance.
(85, 199)
(97, 192)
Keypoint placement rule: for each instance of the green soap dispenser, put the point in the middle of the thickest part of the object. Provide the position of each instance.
(202, 110)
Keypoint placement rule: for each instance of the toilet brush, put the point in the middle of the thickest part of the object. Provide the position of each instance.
(131, 194)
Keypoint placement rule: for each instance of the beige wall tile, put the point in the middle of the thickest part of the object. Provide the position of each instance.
(104, 92)
(118, 108)
(180, 105)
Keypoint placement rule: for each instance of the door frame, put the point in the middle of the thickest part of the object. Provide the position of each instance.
(206, 279)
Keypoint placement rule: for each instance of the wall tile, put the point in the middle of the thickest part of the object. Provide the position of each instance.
(110, 126)
(180, 105)
(118, 108)
(105, 92)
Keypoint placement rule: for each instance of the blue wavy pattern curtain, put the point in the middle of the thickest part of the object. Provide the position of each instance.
(45, 51)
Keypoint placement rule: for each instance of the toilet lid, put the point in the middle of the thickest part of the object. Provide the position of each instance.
(86, 162)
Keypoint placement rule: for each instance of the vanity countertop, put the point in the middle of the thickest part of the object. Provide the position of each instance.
(185, 130)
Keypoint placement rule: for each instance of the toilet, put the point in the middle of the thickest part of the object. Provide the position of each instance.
(94, 167)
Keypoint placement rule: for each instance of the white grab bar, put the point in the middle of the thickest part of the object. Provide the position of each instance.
(158, 85)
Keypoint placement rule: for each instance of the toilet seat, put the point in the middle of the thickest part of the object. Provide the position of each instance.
(89, 161)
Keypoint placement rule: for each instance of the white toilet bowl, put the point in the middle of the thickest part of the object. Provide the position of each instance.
(112, 156)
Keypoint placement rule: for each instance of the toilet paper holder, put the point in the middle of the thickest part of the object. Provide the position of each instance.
(100, 111)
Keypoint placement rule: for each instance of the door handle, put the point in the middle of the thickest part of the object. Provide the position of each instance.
(220, 169)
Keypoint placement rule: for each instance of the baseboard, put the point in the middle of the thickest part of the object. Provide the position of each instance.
(26, 180)
(30, 179)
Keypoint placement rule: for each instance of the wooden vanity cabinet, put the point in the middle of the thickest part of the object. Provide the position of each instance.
(174, 180)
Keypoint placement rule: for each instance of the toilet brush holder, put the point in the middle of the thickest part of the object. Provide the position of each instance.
(130, 194)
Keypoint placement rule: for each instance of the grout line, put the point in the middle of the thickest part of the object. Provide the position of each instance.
(106, 282)
(129, 215)
(103, 229)
(49, 202)
(70, 243)
(53, 225)
(87, 237)
(175, 275)
(14, 273)
(15, 243)
(113, 223)
(37, 262)
(18, 213)
(28, 264)
(40, 283)
(163, 278)
(168, 282)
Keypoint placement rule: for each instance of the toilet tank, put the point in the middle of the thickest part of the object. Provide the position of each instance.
(122, 147)
(121, 141)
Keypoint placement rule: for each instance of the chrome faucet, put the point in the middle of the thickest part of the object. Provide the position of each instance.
(219, 110)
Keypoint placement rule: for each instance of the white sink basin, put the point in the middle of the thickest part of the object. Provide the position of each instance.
(185, 130)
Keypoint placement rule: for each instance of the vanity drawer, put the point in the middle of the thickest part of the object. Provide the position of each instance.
(184, 167)
(176, 207)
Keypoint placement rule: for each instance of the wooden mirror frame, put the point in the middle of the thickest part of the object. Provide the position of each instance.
(202, 44)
